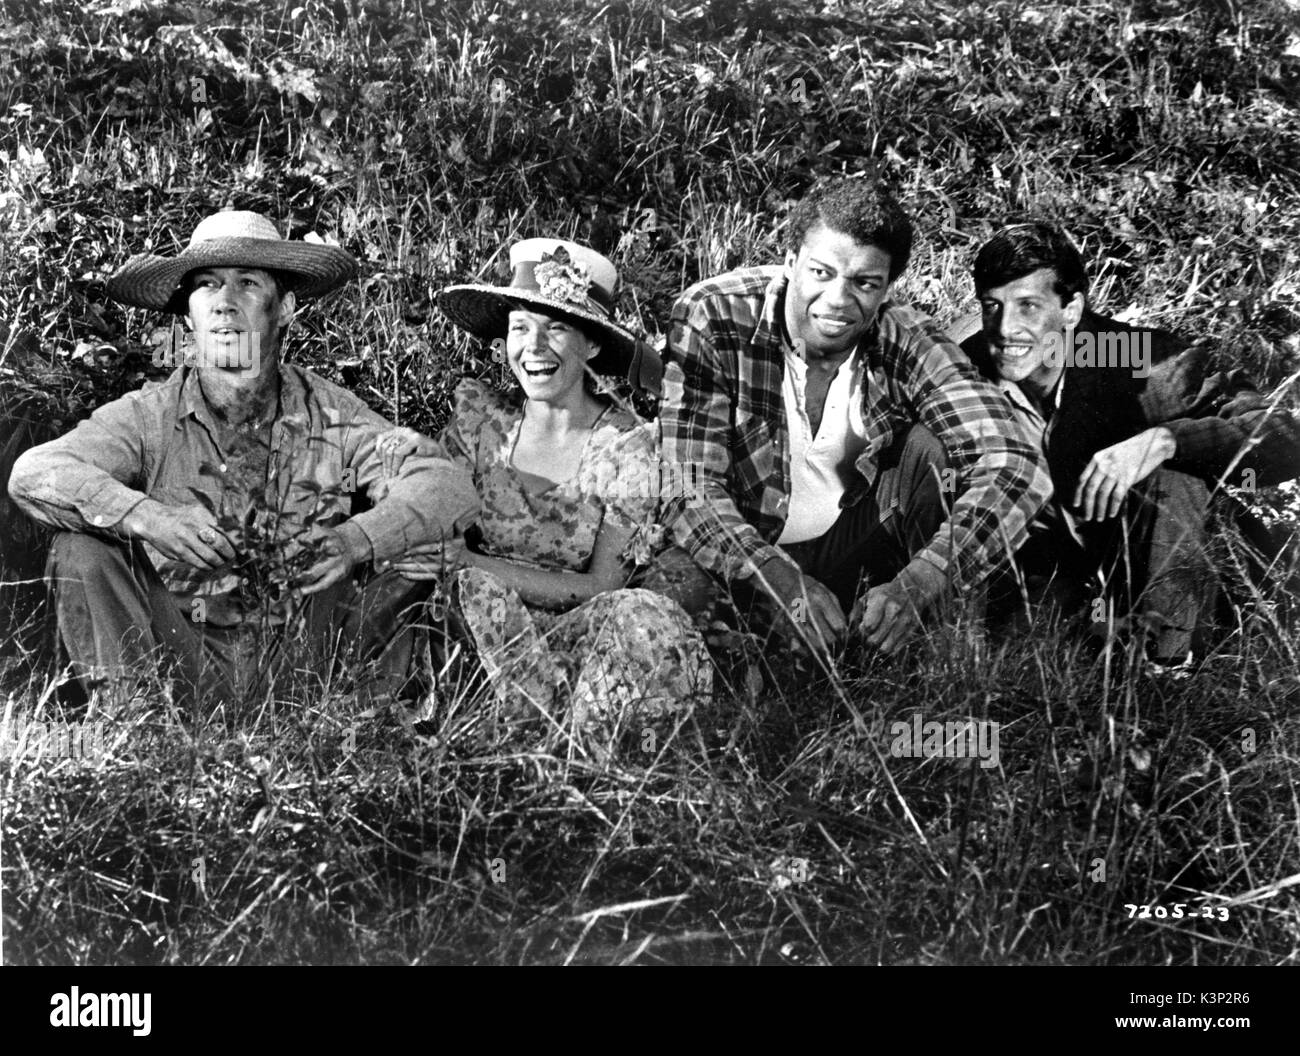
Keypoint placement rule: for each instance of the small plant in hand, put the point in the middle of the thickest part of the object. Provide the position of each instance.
(272, 552)
(268, 563)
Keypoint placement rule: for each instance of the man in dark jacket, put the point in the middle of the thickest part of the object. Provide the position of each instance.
(1137, 432)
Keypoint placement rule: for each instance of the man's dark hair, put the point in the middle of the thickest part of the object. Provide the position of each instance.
(1022, 249)
(859, 208)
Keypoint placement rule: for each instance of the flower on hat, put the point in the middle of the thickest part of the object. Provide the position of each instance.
(563, 279)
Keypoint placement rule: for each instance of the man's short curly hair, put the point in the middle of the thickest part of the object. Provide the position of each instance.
(859, 208)
(1022, 249)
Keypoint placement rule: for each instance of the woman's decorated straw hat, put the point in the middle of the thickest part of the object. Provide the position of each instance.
(552, 275)
(231, 239)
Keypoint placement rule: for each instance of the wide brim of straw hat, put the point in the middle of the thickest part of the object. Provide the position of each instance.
(484, 311)
(151, 281)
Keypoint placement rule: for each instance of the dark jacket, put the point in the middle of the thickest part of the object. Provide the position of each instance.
(1212, 415)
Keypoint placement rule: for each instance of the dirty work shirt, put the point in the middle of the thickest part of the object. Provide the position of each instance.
(622, 653)
(161, 442)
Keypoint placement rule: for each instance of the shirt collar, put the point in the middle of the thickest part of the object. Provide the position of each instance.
(770, 331)
(1021, 399)
(192, 400)
(1017, 396)
(293, 398)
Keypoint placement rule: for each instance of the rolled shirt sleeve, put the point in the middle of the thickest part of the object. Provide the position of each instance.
(1221, 424)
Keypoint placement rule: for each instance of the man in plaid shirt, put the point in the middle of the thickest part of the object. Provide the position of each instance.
(1136, 430)
(838, 439)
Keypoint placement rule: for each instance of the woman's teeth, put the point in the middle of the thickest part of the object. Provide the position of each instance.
(538, 371)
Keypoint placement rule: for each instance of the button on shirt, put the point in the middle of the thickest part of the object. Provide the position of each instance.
(821, 467)
(161, 442)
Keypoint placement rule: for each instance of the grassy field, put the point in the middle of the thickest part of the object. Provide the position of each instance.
(773, 827)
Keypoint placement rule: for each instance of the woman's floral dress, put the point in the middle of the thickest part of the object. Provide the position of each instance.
(623, 661)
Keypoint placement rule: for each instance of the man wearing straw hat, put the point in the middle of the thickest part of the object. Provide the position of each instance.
(199, 508)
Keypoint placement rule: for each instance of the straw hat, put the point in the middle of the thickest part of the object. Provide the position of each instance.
(551, 275)
(230, 239)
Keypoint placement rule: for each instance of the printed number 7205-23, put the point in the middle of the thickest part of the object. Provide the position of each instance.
(1177, 911)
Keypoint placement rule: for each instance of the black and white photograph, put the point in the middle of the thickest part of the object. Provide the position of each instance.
(650, 482)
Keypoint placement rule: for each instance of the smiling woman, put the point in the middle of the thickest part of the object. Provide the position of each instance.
(565, 477)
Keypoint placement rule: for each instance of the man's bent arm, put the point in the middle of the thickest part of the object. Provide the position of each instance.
(1001, 474)
(87, 479)
(429, 499)
(1213, 418)
(695, 423)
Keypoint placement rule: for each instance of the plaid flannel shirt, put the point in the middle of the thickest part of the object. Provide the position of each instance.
(723, 421)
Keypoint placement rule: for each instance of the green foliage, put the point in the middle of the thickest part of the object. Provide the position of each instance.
(425, 138)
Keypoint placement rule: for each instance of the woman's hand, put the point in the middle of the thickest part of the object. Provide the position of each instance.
(433, 560)
(396, 445)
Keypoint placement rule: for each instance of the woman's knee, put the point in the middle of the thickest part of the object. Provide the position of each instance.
(477, 583)
(638, 606)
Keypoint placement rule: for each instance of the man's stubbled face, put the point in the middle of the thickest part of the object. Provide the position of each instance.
(237, 316)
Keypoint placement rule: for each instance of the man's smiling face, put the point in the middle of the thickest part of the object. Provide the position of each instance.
(836, 288)
(1026, 326)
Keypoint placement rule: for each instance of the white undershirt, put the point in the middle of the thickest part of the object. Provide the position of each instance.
(822, 468)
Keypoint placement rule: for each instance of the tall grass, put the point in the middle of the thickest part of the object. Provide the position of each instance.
(773, 826)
